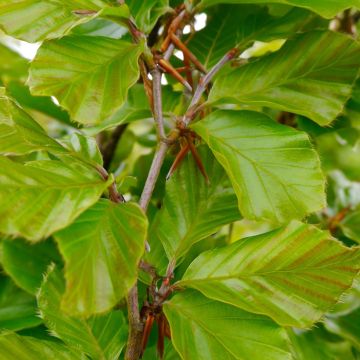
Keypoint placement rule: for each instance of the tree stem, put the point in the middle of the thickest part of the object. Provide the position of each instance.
(157, 103)
(204, 82)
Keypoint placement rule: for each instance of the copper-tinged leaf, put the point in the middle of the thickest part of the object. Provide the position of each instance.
(294, 274)
(306, 76)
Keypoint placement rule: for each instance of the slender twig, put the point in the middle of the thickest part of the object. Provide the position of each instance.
(153, 175)
(204, 82)
(172, 71)
(109, 150)
(114, 195)
(133, 349)
(157, 101)
(181, 46)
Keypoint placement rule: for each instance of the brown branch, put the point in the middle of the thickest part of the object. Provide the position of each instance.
(181, 46)
(114, 195)
(153, 175)
(133, 349)
(157, 103)
(204, 82)
(172, 71)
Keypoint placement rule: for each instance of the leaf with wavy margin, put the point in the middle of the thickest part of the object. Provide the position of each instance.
(44, 196)
(102, 249)
(294, 274)
(273, 168)
(89, 75)
(38, 20)
(306, 76)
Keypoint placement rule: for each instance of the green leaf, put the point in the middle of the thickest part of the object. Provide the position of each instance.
(37, 20)
(136, 107)
(298, 78)
(192, 209)
(294, 274)
(102, 249)
(19, 133)
(273, 168)
(13, 346)
(17, 308)
(89, 75)
(314, 345)
(351, 225)
(100, 337)
(83, 147)
(42, 197)
(146, 13)
(239, 26)
(26, 263)
(205, 329)
(326, 8)
(348, 326)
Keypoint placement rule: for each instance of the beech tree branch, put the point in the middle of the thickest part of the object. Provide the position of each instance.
(157, 103)
(204, 82)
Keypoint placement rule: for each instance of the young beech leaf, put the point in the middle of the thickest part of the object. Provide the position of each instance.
(102, 249)
(294, 274)
(326, 8)
(44, 196)
(193, 209)
(14, 346)
(204, 329)
(100, 337)
(37, 20)
(306, 76)
(89, 75)
(19, 133)
(17, 308)
(273, 168)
